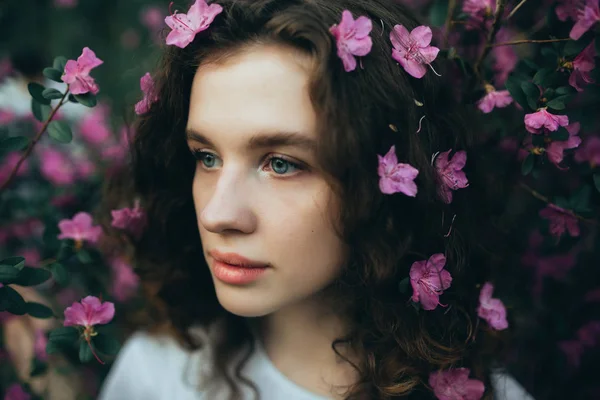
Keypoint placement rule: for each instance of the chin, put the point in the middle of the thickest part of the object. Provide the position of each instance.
(245, 301)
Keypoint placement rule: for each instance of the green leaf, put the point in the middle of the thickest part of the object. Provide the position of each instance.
(546, 77)
(574, 47)
(560, 135)
(38, 310)
(513, 85)
(8, 274)
(53, 347)
(60, 131)
(562, 202)
(32, 276)
(17, 262)
(580, 201)
(549, 52)
(437, 12)
(64, 334)
(532, 92)
(84, 257)
(565, 90)
(85, 352)
(106, 344)
(60, 274)
(38, 367)
(52, 94)
(88, 99)
(41, 112)
(59, 63)
(36, 90)
(53, 74)
(404, 285)
(597, 45)
(557, 103)
(11, 301)
(528, 164)
(14, 143)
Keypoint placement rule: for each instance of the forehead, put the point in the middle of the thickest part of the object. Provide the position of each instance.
(263, 89)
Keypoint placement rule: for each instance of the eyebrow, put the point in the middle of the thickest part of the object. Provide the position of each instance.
(262, 140)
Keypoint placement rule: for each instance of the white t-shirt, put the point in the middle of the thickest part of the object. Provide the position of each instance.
(158, 368)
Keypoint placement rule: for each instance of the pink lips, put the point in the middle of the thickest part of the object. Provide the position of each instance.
(236, 270)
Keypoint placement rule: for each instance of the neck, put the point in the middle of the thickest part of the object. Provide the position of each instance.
(298, 340)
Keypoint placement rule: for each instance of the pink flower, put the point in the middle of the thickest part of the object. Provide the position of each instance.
(352, 38)
(589, 334)
(429, 279)
(32, 256)
(587, 16)
(65, 3)
(590, 151)
(147, 86)
(85, 167)
(94, 127)
(583, 64)
(152, 18)
(89, 312)
(593, 295)
(6, 117)
(125, 281)
(77, 73)
(79, 228)
(117, 152)
(16, 392)
(450, 172)
(505, 57)
(537, 121)
(6, 68)
(132, 220)
(56, 167)
(412, 50)
(396, 177)
(186, 26)
(494, 98)
(573, 350)
(40, 345)
(9, 163)
(455, 384)
(130, 39)
(490, 309)
(479, 10)
(556, 149)
(567, 9)
(560, 221)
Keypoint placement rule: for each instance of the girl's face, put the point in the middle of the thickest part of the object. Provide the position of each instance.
(257, 189)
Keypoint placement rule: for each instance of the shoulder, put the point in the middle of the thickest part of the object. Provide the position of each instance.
(506, 387)
(149, 364)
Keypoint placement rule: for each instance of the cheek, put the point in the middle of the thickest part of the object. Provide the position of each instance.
(307, 242)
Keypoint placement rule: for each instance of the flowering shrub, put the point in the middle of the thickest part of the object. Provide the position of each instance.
(527, 67)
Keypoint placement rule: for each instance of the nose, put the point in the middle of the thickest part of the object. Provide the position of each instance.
(228, 209)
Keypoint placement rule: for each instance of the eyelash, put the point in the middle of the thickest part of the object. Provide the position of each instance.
(200, 154)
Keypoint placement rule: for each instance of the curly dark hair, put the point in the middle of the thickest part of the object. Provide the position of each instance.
(360, 114)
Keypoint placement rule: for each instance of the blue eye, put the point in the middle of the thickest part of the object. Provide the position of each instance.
(208, 160)
(279, 165)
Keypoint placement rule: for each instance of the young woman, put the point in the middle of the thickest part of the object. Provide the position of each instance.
(301, 242)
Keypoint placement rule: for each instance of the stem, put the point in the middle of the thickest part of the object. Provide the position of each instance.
(527, 41)
(515, 9)
(500, 4)
(93, 352)
(448, 22)
(33, 143)
(543, 198)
